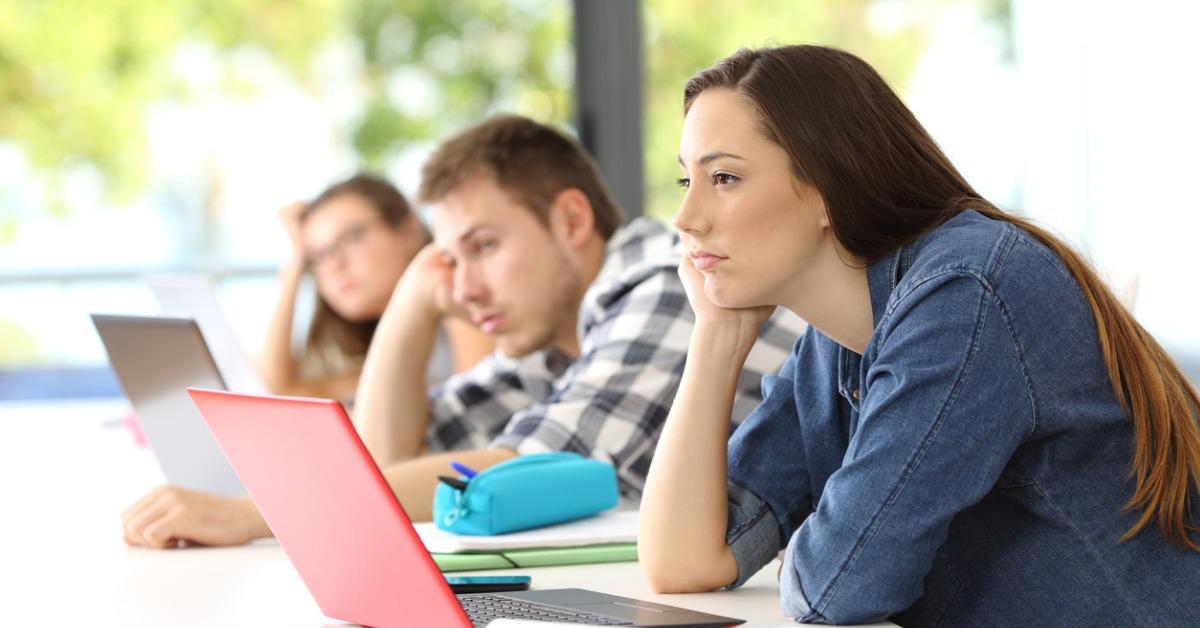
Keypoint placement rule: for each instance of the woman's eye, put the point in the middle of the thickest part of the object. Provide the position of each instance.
(683, 182)
(485, 245)
(723, 178)
(356, 234)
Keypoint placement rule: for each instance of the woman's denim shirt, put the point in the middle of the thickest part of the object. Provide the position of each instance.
(971, 468)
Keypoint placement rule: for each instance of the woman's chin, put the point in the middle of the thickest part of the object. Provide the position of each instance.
(721, 296)
(352, 312)
(355, 309)
(724, 296)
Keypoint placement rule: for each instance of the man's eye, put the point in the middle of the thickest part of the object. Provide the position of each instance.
(479, 247)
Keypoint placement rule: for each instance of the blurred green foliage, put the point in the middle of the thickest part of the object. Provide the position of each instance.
(685, 37)
(18, 345)
(77, 76)
(479, 56)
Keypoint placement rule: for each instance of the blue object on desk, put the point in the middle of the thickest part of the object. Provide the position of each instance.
(454, 483)
(464, 469)
(526, 492)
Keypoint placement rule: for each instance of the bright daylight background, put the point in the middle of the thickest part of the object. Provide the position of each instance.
(150, 135)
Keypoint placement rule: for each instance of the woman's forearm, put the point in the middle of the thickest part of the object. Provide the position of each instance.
(279, 366)
(681, 536)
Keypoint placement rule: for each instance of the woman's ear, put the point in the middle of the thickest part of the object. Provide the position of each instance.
(571, 218)
(825, 221)
(810, 196)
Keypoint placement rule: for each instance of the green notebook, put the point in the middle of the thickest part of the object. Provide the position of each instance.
(469, 561)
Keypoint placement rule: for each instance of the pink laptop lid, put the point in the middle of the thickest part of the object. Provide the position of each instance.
(327, 503)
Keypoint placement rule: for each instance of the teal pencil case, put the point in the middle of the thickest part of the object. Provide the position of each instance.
(526, 492)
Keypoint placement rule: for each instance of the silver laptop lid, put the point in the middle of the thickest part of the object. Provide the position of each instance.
(156, 358)
(195, 296)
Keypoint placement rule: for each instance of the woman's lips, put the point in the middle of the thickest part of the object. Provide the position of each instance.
(703, 260)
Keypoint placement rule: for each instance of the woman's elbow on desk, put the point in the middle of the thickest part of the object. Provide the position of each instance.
(698, 572)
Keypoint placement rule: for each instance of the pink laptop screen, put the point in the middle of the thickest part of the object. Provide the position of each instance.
(327, 503)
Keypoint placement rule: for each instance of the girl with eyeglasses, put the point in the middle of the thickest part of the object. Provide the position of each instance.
(355, 239)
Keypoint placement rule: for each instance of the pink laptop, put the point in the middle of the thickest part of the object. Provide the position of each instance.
(320, 492)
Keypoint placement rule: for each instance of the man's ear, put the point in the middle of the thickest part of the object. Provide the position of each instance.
(571, 219)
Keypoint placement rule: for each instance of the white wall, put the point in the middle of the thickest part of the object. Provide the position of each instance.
(1111, 128)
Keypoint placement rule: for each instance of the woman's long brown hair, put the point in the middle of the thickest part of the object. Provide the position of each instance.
(885, 182)
(333, 341)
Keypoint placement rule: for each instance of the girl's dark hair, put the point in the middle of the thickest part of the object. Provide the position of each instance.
(885, 182)
(334, 342)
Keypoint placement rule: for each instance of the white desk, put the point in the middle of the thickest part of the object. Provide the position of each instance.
(66, 479)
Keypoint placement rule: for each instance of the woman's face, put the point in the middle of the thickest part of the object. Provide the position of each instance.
(355, 256)
(751, 229)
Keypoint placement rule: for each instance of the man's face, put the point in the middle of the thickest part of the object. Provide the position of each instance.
(519, 283)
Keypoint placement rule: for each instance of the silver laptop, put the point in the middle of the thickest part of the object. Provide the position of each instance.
(156, 358)
(195, 296)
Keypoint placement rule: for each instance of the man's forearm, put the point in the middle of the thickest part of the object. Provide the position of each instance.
(414, 481)
(391, 408)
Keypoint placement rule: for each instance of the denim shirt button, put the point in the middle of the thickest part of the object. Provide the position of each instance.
(854, 394)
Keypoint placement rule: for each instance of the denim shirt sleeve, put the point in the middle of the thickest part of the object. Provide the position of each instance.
(946, 404)
(752, 533)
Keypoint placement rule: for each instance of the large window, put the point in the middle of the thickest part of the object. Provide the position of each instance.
(139, 136)
(1079, 115)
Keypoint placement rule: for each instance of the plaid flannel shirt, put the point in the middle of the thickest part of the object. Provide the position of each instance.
(610, 403)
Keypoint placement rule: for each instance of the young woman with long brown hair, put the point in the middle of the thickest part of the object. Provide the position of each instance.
(356, 239)
(973, 431)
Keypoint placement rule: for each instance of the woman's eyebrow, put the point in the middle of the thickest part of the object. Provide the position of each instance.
(713, 156)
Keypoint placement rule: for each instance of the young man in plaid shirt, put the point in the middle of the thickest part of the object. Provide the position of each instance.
(590, 321)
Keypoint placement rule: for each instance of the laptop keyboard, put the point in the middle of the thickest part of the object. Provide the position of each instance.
(482, 609)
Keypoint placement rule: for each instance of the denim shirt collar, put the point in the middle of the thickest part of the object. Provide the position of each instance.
(882, 277)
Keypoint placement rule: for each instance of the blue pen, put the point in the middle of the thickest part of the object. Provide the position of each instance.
(464, 469)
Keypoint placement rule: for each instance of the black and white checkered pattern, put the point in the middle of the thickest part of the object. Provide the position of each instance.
(610, 403)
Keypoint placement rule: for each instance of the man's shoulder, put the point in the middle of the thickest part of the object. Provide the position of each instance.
(644, 242)
(642, 258)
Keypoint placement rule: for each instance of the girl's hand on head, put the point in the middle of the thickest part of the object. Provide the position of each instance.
(289, 216)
